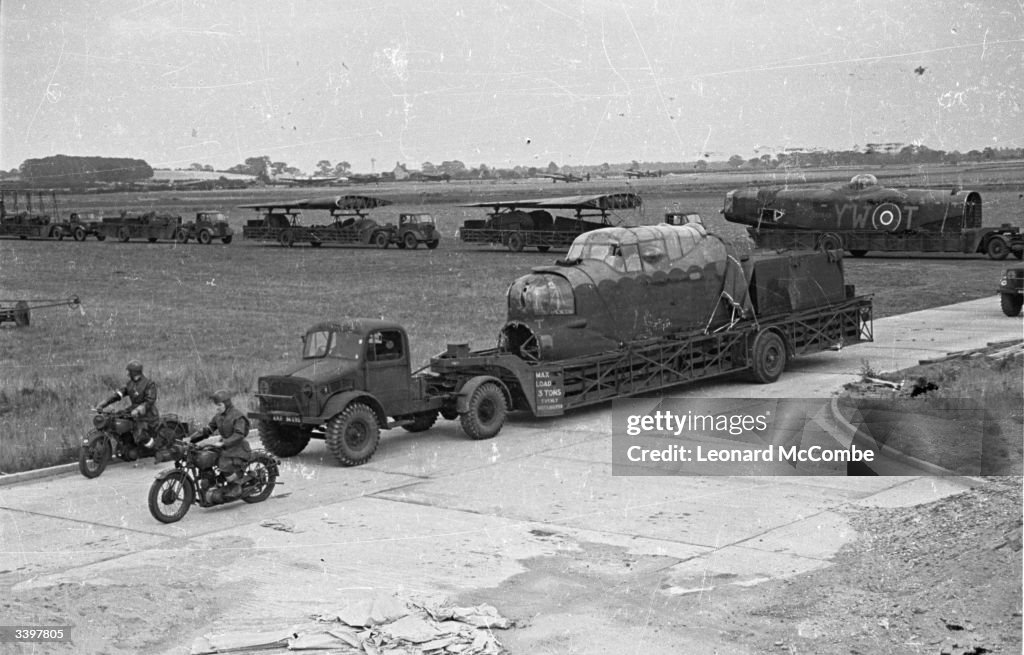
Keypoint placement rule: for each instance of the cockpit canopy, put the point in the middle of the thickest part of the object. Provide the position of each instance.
(643, 249)
(863, 181)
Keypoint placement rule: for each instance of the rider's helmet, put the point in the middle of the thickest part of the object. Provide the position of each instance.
(221, 396)
(134, 367)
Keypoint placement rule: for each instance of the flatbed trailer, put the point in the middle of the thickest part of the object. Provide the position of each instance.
(528, 223)
(762, 347)
(280, 221)
(151, 226)
(996, 242)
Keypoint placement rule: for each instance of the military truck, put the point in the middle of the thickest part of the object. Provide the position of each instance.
(414, 229)
(152, 226)
(207, 226)
(1011, 291)
(81, 225)
(355, 376)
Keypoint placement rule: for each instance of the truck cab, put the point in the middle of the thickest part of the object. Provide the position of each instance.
(414, 229)
(353, 375)
(210, 225)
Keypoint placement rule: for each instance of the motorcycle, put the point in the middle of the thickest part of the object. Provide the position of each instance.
(195, 478)
(112, 435)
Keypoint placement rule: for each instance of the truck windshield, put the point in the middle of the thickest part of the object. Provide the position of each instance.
(324, 343)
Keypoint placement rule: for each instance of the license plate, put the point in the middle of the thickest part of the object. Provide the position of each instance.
(286, 419)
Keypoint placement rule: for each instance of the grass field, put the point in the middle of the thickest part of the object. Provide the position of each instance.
(203, 317)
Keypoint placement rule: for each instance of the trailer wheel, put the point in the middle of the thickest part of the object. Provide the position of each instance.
(858, 253)
(486, 413)
(123, 234)
(422, 422)
(56, 233)
(353, 435)
(286, 238)
(381, 240)
(1011, 303)
(78, 234)
(830, 242)
(997, 248)
(768, 357)
(516, 243)
(282, 440)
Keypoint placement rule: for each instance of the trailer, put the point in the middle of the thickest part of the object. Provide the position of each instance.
(25, 218)
(152, 226)
(996, 242)
(20, 312)
(528, 223)
(281, 222)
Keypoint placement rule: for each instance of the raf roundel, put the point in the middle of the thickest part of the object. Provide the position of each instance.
(886, 216)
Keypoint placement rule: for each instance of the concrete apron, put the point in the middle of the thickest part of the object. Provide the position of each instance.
(439, 514)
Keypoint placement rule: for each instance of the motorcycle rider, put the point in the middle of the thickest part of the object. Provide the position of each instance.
(141, 393)
(233, 428)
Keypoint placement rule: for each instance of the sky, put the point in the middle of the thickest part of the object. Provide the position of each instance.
(576, 82)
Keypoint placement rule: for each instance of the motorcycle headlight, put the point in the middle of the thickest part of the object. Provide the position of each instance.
(99, 421)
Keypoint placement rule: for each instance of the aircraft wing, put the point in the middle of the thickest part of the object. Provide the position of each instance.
(602, 202)
(347, 202)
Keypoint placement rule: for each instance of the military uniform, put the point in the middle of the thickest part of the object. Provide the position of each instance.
(140, 392)
(233, 427)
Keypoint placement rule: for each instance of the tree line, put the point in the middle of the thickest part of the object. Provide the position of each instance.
(64, 170)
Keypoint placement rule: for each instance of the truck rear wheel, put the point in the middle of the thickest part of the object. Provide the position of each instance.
(353, 435)
(768, 357)
(997, 248)
(281, 440)
(410, 241)
(79, 234)
(204, 237)
(1011, 303)
(486, 413)
(381, 240)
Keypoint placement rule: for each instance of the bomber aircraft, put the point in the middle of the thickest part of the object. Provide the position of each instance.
(636, 172)
(861, 204)
(562, 177)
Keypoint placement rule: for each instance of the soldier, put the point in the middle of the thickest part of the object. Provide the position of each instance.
(233, 427)
(141, 393)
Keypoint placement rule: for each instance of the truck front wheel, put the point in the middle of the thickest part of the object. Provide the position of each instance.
(486, 413)
(768, 357)
(1011, 303)
(281, 440)
(353, 435)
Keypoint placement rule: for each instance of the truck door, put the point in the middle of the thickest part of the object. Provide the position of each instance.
(387, 369)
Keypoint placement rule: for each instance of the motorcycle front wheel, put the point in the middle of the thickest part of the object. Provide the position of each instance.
(170, 496)
(94, 455)
(263, 479)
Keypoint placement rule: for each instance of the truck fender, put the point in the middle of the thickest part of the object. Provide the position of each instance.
(339, 401)
(466, 392)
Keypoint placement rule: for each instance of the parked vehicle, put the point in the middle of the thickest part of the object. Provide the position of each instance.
(522, 223)
(414, 229)
(1011, 291)
(207, 226)
(281, 222)
(195, 478)
(863, 216)
(152, 226)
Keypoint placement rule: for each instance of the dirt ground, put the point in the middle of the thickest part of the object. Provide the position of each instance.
(938, 578)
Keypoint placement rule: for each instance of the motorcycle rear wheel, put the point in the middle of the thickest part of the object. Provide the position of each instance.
(263, 481)
(94, 455)
(170, 496)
